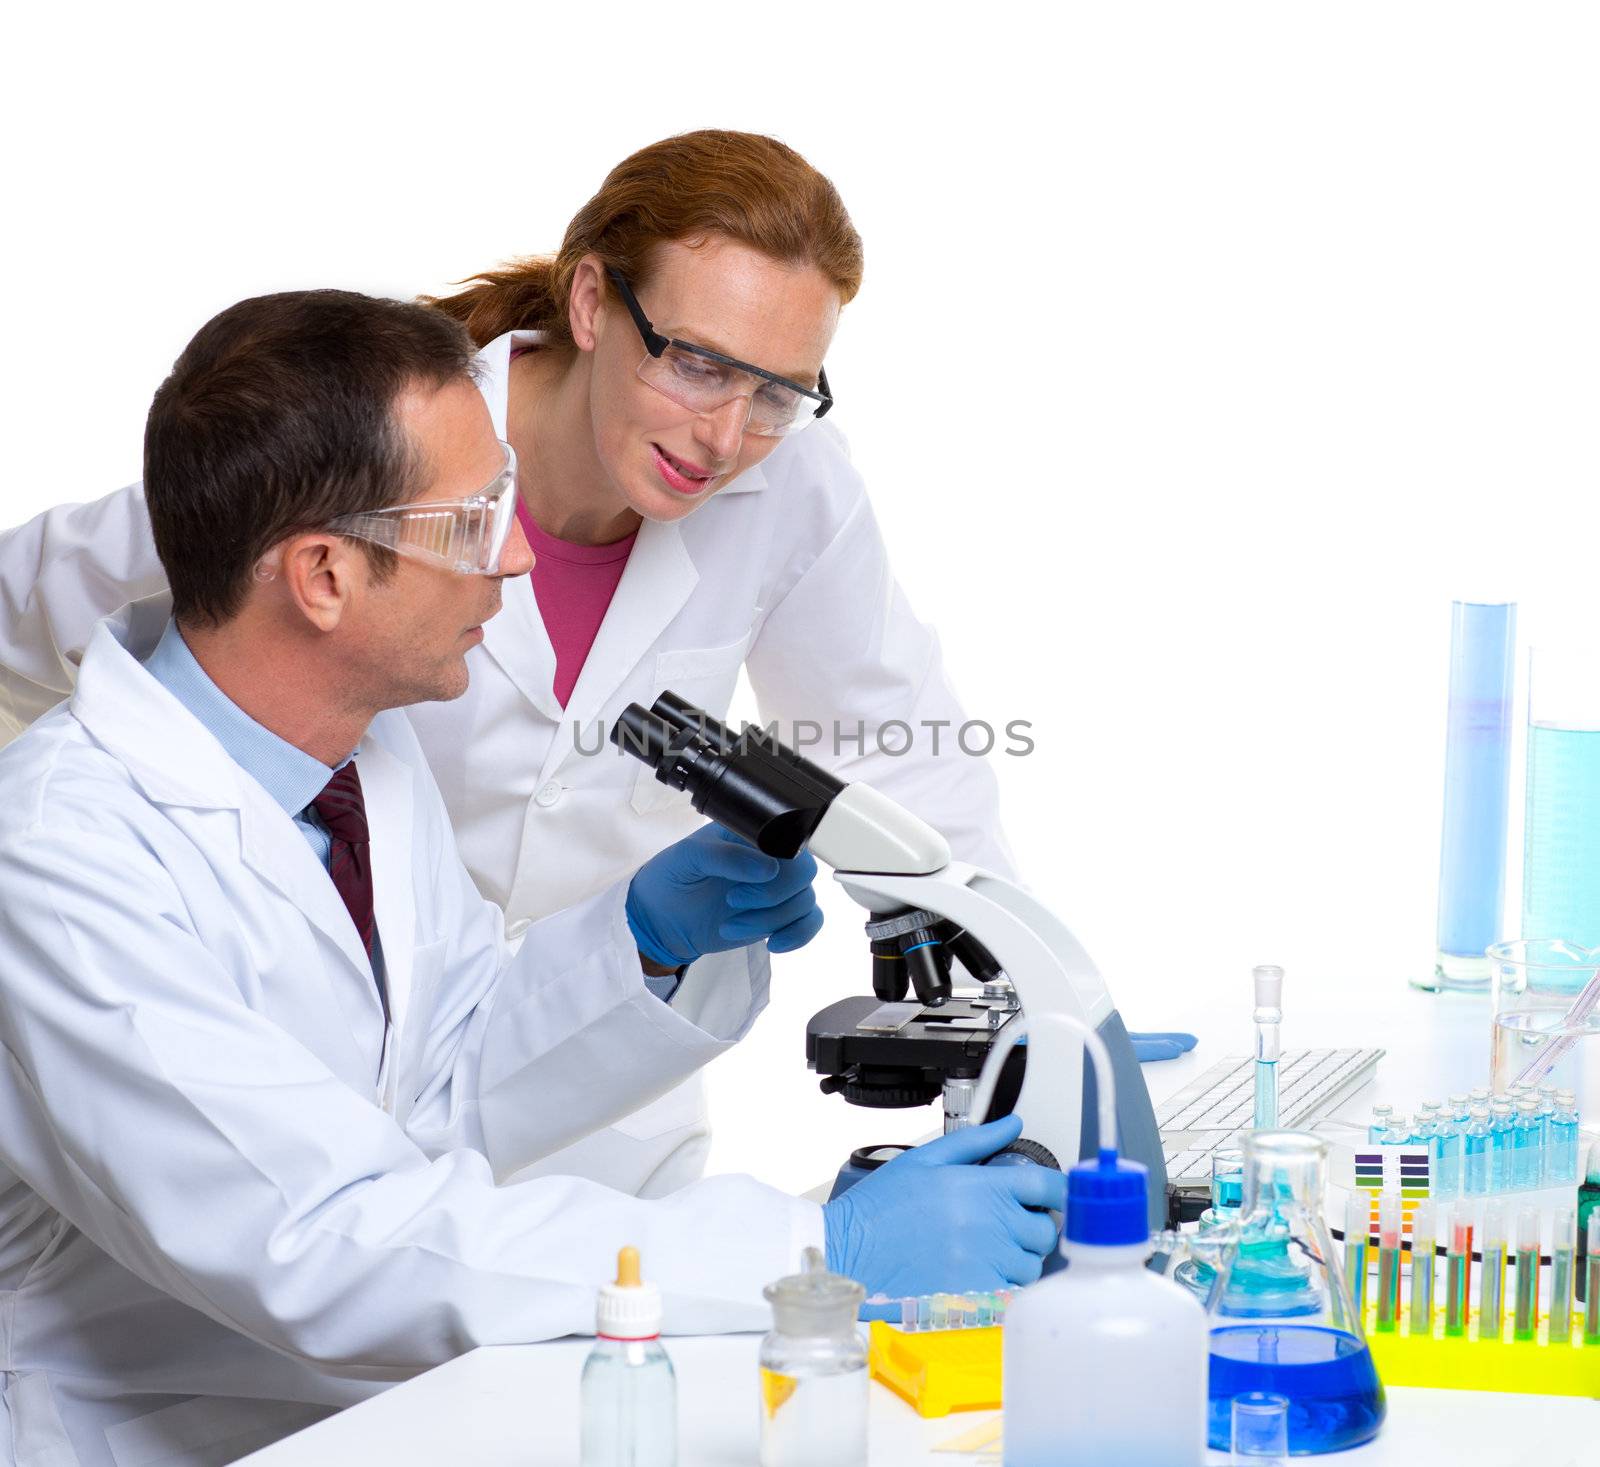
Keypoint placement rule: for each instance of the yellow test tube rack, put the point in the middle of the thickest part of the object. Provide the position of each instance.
(942, 1370)
(1466, 1363)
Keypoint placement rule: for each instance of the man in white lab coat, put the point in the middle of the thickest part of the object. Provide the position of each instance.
(265, 1049)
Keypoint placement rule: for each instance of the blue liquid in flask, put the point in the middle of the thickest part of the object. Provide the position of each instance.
(1335, 1396)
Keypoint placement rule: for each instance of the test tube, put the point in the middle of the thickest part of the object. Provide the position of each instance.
(1422, 1243)
(1563, 1248)
(1525, 1324)
(1268, 981)
(1492, 1282)
(1357, 1232)
(1388, 1260)
(1458, 1271)
(1591, 1292)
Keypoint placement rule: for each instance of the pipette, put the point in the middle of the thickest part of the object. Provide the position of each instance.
(1591, 1293)
(1268, 981)
(1422, 1243)
(1458, 1271)
(1388, 1260)
(1357, 1231)
(1574, 1019)
(1563, 1247)
(1525, 1323)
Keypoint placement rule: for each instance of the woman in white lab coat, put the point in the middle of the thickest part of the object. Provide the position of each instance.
(741, 544)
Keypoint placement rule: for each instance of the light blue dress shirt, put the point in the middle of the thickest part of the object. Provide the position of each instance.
(290, 775)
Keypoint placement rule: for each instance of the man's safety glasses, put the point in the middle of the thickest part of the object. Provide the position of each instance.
(702, 380)
(462, 535)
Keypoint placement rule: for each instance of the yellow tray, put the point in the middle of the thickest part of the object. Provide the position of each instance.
(1466, 1363)
(943, 1370)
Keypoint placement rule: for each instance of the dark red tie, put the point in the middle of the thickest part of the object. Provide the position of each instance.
(344, 812)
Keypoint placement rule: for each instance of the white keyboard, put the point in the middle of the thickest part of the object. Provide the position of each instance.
(1214, 1109)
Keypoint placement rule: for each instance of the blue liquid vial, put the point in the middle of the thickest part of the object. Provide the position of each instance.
(1528, 1169)
(1561, 1147)
(1477, 1144)
(1503, 1140)
(1379, 1123)
(1335, 1397)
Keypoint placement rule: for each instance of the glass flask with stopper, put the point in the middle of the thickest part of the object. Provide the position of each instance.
(1281, 1316)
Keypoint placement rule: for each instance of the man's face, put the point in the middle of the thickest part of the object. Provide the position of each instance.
(416, 628)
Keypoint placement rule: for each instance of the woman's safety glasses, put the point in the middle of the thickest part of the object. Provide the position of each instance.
(462, 535)
(702, 380)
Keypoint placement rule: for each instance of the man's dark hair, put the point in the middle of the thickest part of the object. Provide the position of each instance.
(278, 417)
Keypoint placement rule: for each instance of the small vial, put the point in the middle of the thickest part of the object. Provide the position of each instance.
(1389, 1228)
(1423, 1229)
(1479, 1095)
(1563, 1252)
(985, 1311)
(628, 1394)
(1528, 1152)
(1448, 1162)
(1227, 1178)
(1477, 1144)
(1561, 1146)
(1379, 1123)
(941, 1312)
(1502, 1143)
(1260, 1429)
(908, 1314)
(1525, 1322)
(1399, 1131)
(925, 1311)
(1357, 1232)
(1591, 1292)
(1492, 1284)
(1268, 984)
(1458, 1272)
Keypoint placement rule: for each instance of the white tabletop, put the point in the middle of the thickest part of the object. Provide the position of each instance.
(519, 1404)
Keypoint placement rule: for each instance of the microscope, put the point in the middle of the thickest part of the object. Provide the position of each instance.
(927, 913)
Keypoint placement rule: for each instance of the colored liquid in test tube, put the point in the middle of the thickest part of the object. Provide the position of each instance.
(1492, 1282)
(1268, 983)
(1423, 1229)
(1591, 1293)
(1357, 1235)
(1389, 1229)
(1525, 1323)
(1563, 1252)
(1458, 1272)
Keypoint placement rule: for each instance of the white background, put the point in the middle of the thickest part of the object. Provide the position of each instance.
(1205, 352)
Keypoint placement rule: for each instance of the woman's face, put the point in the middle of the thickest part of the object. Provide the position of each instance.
(666, 460)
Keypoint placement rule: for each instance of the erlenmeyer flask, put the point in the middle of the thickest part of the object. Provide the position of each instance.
(1281, 1317)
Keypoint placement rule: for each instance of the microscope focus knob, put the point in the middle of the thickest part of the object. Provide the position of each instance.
(1025, 1150)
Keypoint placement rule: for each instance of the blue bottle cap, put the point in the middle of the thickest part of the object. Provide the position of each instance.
(1106, 1202)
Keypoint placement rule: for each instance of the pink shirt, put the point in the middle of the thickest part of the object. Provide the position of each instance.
(573, 585)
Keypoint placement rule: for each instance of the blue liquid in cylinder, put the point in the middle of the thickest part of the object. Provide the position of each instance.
(1335, 1396)
(1561, 871)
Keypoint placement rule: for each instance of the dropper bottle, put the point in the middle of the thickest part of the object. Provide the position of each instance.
(629, 1393)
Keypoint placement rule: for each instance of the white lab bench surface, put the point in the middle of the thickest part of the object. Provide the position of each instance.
(519, 1404)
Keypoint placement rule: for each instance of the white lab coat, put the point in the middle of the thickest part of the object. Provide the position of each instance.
(782, 573)
(221, 1177)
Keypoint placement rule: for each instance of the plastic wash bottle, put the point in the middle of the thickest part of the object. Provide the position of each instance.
(1105, 1362)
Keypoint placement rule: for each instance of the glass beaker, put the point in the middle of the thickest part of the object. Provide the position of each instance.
(1561, 835)
(814, 1371)
(1545, 1025)
(1281, 1317)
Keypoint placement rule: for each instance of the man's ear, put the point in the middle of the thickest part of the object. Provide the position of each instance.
(322, 573)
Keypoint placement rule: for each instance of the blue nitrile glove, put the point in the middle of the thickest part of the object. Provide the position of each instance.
(713, 891)
(1160, 1046)
(933, 1221)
